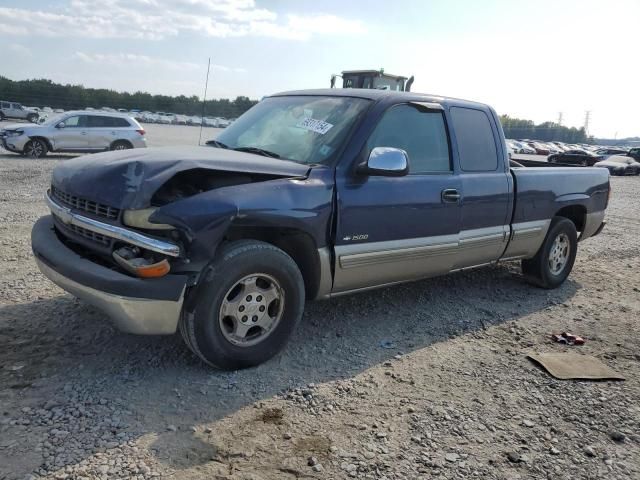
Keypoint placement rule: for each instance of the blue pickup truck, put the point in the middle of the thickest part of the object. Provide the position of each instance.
(309, 195)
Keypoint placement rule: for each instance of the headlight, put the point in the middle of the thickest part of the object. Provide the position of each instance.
(140, 219)
(13, 133)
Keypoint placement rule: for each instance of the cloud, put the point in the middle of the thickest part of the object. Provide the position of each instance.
(19, 49)
(158, 19)
(132, 60)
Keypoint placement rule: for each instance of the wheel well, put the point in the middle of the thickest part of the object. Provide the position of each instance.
(44, 139)
(576, 213)
(121, 140)
(299, 245)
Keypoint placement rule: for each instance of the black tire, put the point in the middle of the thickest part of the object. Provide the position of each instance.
(537, 270)
(35, 148)
(33, 118)
(120, 145)
(203, 327)
(2, 117)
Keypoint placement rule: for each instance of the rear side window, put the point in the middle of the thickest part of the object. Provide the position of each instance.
(5, 105)
(16, 106)
(119, 122)
(476, 144)
(419, 132)
(98, 121)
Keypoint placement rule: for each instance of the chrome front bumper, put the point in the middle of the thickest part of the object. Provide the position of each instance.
(65, 215)
(143, 306)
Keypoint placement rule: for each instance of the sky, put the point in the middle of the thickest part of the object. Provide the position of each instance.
(528, 59)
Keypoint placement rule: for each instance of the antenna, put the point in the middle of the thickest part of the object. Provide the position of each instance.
(204, 101)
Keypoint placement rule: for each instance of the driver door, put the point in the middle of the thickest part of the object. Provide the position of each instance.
(73, 135)
(392, 229)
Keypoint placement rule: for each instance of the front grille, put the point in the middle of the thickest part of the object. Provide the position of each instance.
(89, 206)
(89, 235)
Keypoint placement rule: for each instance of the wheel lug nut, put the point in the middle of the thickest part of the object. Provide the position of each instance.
(255, 318)
(261, 308)
(244, 318)
(241, 308)
(248, 298)
(259, 298)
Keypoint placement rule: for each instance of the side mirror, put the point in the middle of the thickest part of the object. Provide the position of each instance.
(60, 125)
(386, 162)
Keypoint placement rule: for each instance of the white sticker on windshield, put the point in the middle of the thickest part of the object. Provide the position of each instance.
(313, 125)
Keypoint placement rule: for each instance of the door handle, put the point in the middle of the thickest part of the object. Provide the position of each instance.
(450, 195)
(83, 133)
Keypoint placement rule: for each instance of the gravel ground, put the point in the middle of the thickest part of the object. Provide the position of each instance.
(423, 380)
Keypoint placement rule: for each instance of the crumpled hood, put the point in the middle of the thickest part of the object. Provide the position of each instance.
(129, 178)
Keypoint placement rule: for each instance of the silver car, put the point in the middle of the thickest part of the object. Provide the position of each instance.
(80, 131)
(15, 110)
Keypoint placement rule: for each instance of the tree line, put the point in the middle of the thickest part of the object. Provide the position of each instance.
(546, 132)
(45, 93)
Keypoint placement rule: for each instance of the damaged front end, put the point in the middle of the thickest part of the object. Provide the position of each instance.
(131, 232)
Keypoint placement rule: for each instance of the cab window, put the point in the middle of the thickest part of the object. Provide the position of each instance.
(419, 132)
(476, 143)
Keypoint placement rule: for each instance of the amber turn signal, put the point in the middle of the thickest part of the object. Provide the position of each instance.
(159, 269)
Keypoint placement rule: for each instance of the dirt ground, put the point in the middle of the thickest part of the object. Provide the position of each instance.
(423, 380)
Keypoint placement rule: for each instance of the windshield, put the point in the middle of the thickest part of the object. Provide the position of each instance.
(305, 129)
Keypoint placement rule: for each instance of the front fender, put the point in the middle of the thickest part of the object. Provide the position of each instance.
(288, 203)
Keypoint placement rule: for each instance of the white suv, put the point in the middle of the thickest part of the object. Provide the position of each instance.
(81, 131)
(15, 110)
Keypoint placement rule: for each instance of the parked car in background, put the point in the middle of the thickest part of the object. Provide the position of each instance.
(79, 131)
(524, 148)
(634, 153)
(575, 157)
(16, 110)
(607, 152)
(179, 120)
(540, 148)
(620, 165)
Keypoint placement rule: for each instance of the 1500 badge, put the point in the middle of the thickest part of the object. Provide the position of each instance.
(352, 238)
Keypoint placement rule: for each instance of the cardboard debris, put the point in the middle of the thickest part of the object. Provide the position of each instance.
(568, 366)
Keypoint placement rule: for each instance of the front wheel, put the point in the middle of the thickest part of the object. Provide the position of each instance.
(35, 148)
(246, 306)
(553, 263)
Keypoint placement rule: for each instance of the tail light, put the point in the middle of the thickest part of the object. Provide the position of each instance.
(141, 131)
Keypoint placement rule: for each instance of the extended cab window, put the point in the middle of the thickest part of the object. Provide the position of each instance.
(474, 136)
(419, 132)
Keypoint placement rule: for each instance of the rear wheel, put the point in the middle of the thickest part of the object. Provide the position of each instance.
(2, 117)
(246, 307)
(121, 145)
(554, 261)
(33, 118)
(35, 148)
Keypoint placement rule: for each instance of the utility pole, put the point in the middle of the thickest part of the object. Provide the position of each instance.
(560, 118)
(204, 101)
(587, 118)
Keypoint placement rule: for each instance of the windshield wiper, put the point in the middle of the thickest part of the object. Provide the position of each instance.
(217, 144)
(257, 151)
